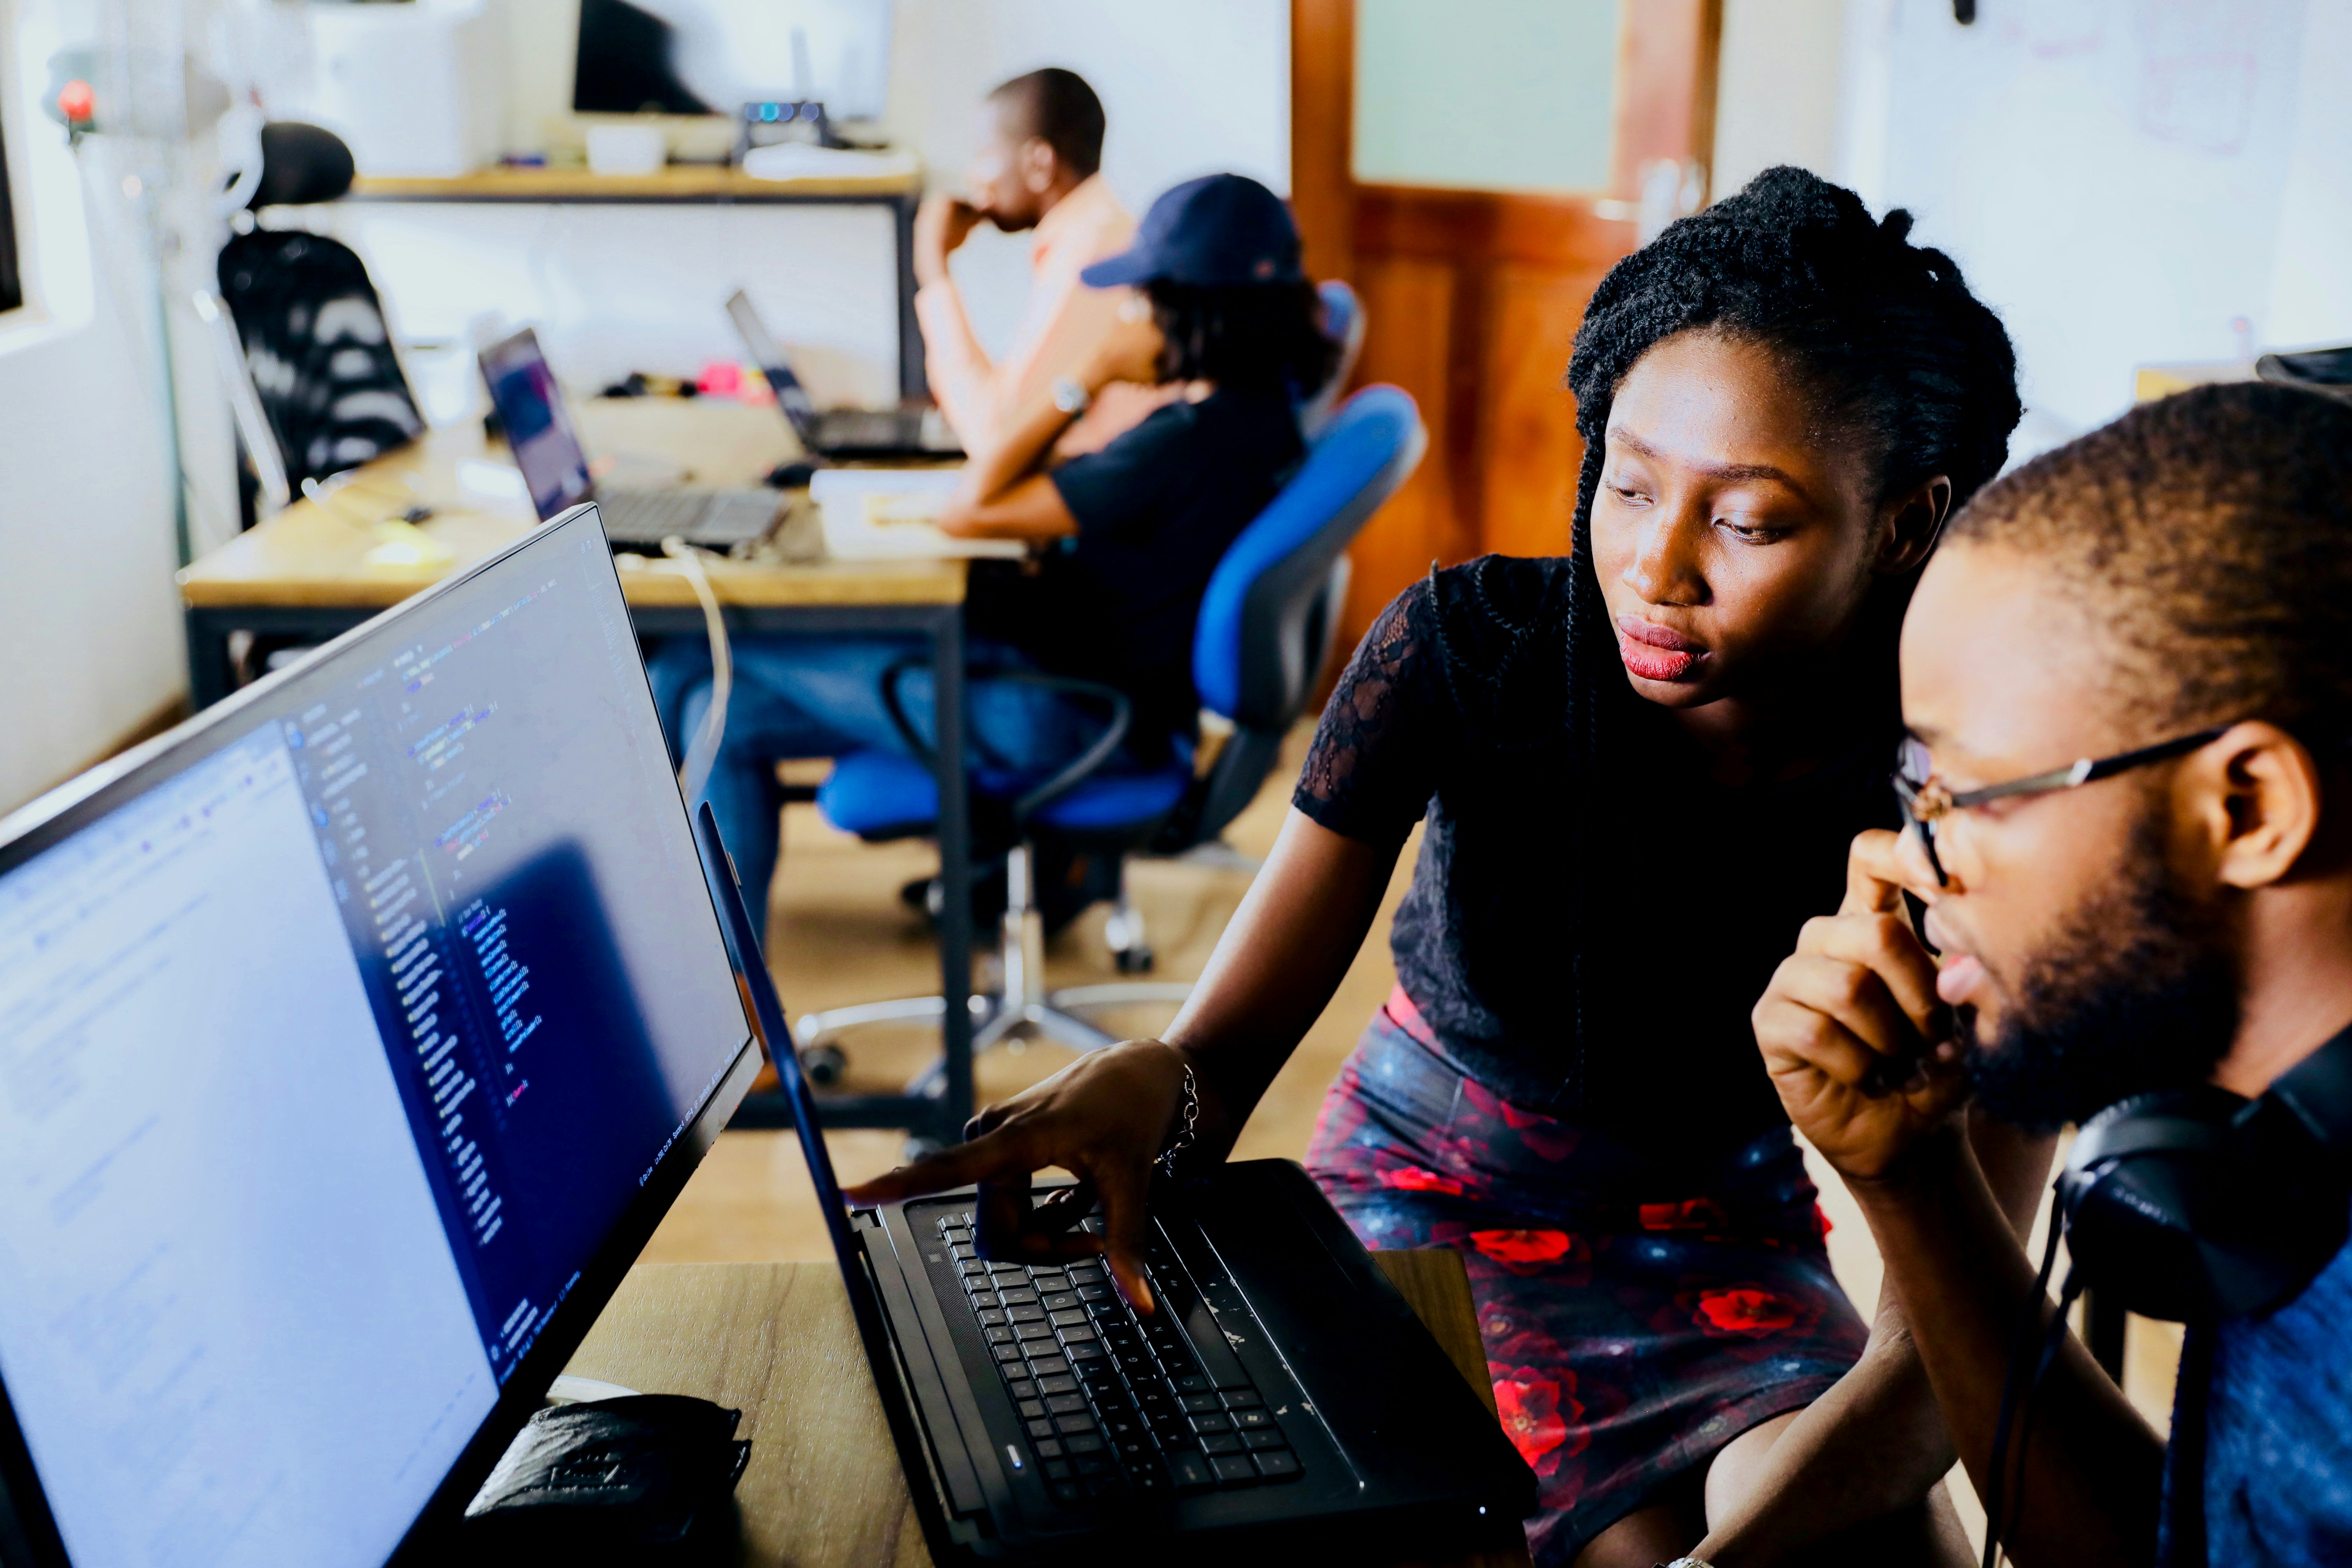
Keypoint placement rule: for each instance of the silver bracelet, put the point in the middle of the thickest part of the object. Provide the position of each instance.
(1687, 1562)
(1192, 1122)
(1071, 396)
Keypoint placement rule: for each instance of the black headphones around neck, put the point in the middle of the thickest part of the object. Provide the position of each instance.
(2192, 1205)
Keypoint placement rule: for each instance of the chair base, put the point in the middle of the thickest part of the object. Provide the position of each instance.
(1023, 1007)
(1054, 1017)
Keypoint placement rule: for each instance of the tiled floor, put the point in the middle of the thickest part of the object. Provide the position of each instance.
(837, 934)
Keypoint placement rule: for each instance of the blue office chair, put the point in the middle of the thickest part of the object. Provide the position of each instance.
(1343, 322)
(1265, 631)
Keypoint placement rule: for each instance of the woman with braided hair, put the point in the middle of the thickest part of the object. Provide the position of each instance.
(1639, 766)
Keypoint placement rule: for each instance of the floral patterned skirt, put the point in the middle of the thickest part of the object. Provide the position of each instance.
(1635, 1321)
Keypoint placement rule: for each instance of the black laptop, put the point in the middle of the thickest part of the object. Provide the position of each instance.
(1284, 1388)
(841, 433)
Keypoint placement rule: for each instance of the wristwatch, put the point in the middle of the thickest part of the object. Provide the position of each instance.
(1071, 396)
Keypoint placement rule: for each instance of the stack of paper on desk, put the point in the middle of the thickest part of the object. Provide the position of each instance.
(873, 514)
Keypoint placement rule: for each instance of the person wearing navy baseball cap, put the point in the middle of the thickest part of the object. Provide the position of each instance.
(1222, 321)
(1216, 313)
(1221, 231)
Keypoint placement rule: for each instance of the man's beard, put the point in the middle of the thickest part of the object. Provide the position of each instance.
(2134, 993)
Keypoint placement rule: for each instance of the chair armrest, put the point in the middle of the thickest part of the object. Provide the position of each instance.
(1122, 717)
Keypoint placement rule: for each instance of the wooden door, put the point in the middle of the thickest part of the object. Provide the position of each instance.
(1472, 297)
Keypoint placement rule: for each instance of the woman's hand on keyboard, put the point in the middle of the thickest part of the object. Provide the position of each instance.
(1104, 1119)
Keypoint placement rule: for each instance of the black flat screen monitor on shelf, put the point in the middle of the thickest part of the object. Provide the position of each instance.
(712, 57)
(353, 1038)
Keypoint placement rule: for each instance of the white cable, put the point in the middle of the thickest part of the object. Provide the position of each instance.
(703, 754)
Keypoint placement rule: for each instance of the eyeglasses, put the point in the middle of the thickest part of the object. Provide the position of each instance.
(1925, 801)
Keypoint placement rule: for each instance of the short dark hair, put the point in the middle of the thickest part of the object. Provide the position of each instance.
(1058, 107)
(1259, 337)
(2208, 536)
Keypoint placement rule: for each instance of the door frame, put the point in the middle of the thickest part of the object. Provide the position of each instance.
(1664, 108)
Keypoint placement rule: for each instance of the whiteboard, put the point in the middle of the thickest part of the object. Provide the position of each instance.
(2112, 175)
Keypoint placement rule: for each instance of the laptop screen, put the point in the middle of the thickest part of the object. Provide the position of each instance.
(769, 355)
(538, 425)
(336, 1039)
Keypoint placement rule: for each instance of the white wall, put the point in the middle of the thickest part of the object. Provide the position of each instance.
(1197, 87)
(89, 627)
(1188, 90)
(1776, 87)
(2311, 290)
(2127, 182)
(2112, 176)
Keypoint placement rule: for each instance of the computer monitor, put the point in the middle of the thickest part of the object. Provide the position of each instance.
(711, 57)
(353, 1038)
(538, 424)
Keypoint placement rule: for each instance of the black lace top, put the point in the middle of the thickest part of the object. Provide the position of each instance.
(1586, 936)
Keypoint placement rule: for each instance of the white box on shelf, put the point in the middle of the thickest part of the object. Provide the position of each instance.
(416, 90)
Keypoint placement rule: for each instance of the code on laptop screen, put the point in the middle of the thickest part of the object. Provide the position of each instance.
(329, 1058)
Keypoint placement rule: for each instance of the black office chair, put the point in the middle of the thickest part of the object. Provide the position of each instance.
(315, 347)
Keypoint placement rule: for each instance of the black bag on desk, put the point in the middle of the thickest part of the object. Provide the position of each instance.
(646, 1478)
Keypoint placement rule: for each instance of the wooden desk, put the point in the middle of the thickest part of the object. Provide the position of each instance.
(315, 558)
(305, 573)
(776, 1340)
(692, 182)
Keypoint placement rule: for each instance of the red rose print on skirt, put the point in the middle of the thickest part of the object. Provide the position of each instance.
(1691, 1214)
(1530, 1251)
(1540, 1415)
(1413, 1179)
(1542, 1136)
(1750, 1311)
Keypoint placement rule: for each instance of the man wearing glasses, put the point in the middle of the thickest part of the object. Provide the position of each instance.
(2127, 681)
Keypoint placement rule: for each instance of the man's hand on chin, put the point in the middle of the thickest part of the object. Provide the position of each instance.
(941, 226)
(1853, 1035)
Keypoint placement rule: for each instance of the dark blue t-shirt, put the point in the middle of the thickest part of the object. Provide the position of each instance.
(2270, 1420)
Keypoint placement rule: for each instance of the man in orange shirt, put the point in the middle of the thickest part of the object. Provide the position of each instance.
(1036, 171)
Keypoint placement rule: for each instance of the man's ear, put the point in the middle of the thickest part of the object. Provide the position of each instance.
(1040, 165)
(2258, 801)
(1910, 525)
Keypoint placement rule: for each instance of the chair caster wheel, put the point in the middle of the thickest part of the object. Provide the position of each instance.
(1133, 959)
(823, 1065)
(919, 1148)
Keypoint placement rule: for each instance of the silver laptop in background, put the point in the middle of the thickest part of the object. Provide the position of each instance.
(546, 447)
(846, 433)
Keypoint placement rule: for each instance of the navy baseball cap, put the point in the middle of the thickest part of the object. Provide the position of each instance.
(1219, 231)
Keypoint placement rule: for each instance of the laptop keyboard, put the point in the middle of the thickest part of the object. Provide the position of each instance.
(869, 427)
(715, 517)
(1118, 1408)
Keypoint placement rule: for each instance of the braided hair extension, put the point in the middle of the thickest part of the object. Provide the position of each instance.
(1883, 334)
